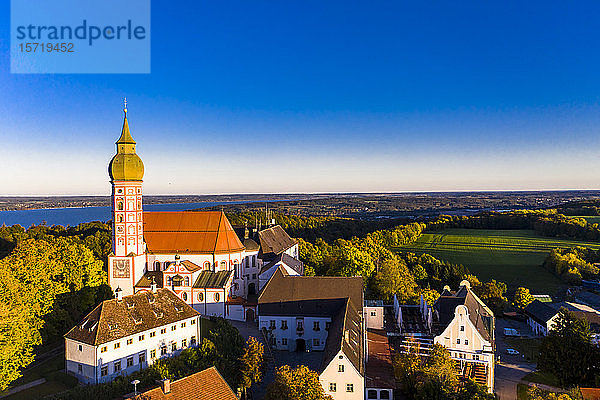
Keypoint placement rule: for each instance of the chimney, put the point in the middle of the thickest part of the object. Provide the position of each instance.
(153, 285)
(246, 231)
(165, 385)
(118, 293)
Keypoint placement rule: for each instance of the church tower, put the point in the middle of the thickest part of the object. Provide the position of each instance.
(126, 170)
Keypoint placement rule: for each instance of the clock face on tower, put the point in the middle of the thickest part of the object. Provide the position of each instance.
(120, 268)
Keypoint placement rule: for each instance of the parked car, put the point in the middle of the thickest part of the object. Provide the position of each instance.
(512, 352)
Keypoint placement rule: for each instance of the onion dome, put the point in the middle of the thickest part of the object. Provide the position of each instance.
(126, 165)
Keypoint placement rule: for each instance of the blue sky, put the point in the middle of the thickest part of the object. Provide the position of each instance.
(313, 96)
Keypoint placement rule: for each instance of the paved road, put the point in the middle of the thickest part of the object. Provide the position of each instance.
(24, 386)
(512, 368)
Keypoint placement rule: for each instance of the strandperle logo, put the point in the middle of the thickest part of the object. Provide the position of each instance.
(84, 31)
(80, 36)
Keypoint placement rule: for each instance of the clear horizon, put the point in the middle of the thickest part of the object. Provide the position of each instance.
(340, 97)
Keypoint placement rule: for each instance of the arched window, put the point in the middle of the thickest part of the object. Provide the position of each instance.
(139, 204)
(120, 217)
(184, 296)
(223, 265)
(120, 205)
(247, 259)
(253, 261)
(157, 265)
(187, 281)
(200, 296)
(217, 297)
(206, 265)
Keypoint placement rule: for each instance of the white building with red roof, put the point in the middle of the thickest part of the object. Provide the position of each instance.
(197, 255)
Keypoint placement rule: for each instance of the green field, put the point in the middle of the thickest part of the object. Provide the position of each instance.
(511, 256)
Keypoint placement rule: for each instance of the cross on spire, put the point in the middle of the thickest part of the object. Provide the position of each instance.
(125, 105)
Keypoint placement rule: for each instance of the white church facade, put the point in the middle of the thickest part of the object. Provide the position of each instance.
(197, 255)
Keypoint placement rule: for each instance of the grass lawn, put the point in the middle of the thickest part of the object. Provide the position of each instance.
(56, 380)
(526, 346)
(511, 256)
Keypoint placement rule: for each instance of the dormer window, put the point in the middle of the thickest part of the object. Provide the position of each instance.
(130, 304)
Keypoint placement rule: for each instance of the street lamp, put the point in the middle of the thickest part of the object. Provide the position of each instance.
(135, 383)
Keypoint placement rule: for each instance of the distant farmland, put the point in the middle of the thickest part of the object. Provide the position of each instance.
(511, 256)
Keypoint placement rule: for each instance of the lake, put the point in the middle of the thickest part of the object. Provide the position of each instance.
(76, 215)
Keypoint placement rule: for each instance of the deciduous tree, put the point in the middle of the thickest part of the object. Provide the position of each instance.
(522, 297)
(298, 383)
(252, 363)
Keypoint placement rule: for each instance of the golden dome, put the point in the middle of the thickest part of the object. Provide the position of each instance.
(126, 165)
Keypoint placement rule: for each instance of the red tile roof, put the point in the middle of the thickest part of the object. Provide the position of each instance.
(380, 370)
(590, 393)
(202, 232)
(203, 385)
(115, 319)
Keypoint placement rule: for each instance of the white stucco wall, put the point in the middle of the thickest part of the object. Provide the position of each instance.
(285, 339)
(373, 317)
(466, 344)
(95, 358)
(350, 375)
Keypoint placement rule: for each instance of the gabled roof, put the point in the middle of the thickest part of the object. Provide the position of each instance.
(274, 240)
(190, 266)
(113, 320)
(346, 335)
(340, 298)
(540, 312)
(283, 287)
(251, 245)
(213, 280)
(302, 308)
(479, 314)
(190, 232)
(286, 259)
(589, 298)
(203, 385)
(146, 279)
